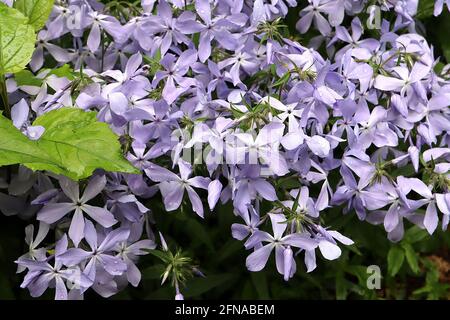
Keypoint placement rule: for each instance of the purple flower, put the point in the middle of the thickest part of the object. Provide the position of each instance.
(248, 185)
(252, 221)
(313, 12)
(53, 212)
(174, 74)
(273, 122)
(34, 253)
(211, 29)
(409, 81)
(41, 275)
(20, 113)
(439, 5)
(166, 26)
(257, 260)
(264, 147)
(107, 23)
(100, 258)
(327, 245)
(130, 250)
(172, 186)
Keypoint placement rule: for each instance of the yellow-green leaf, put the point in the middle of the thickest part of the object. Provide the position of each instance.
(17, 40)
(74, 144)
(37, 11)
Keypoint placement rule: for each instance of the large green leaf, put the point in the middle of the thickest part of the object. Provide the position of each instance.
(415, 234)
(425, 9)
(74, 144)
(37, 11)
(27, 78)
(395, 259)
(17, 40)
(198, 286)
(411, 257)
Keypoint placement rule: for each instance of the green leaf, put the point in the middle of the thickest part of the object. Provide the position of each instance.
(425, 9)
(63, 72)
(154, 62)
(341, 286)
(395, 259)
(415, 234)
(153, 272)
(259, 280)
(197, 228)
(17, 40)
(198, 286)
(282, 80)
(228, 249)
(411, 257)
(443, 23)
(37, 11)
(27, 78)
(74, 144)
(162, 255)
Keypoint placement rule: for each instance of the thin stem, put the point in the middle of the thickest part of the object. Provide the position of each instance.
(4, 96)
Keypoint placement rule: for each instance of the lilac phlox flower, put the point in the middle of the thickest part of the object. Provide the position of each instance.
(327, 245)
(172, 186)
(407, 82)
(140, 157)
(211, 28)
(53, 212)
(326, 191)
(435, 115)
(354, 40)
(121, 110)
(107, 23)
(439, 6)
(257, 260)
(59, 54)
(101, 256)
(42, 274)
(214, 192)
(430, 199)
(34, 253)
(174, 73)
(20, 113)
(247, 185)
(305, 205)
(287, 112)
(314, 12)
(376, 131)
(127, 206)
(352, 70)
(316, 143)
(263, 149)
(352, 194)
(318, 90)
(252, 222)
(165, 25)
(133, 79)
(216, 137)
(399, 207)
(159, 126)
(242, 59)
(130, 250)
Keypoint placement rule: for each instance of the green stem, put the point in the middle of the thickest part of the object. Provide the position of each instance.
(4, 96)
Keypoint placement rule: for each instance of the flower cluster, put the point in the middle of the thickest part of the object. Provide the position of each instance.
(215, 98)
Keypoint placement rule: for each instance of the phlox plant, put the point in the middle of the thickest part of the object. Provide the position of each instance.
(173, 149)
